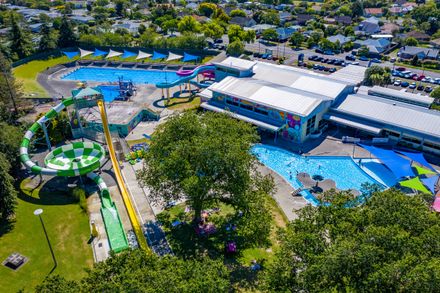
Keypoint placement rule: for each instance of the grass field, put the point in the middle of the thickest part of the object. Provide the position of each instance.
(27, 74)
(181, 104)
(184, 242)
(68, 230)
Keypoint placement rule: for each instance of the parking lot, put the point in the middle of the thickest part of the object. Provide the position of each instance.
(412, 81)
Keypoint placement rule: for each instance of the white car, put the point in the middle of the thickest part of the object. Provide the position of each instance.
(397, 82)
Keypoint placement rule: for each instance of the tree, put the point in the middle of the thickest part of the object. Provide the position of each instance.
(325, 45)
(20, 39)
(138, 271)
(67, 37)
(411, 42)
(200, 158)
(296, 39)
(213, 30)
(270, 34)
(388, 244)
(207, 9)
(415, 60)
(121, 8)
(436, 93)
(48, 40)
(363, 51)
(170, 26)
(188, 25)
(236, 48)
(271, 17)
(10, 92)
(376, 75)
(8, 194)
(237, 12)
(234, 32)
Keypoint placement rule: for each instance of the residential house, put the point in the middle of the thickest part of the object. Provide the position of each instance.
(302, 19)
(389, 28)
(259, 28)
(396, 10)
(419, 36)
(284, 33)
(343, 19)
(243, 21)
(285, 16)
(192, 6)
(435, 43)
(408, 52)
(131, 26)
(375, 46)
(339, 38)
(35, 27)
(368, 12)
(369, 26)
(82, 18)
(408, 7)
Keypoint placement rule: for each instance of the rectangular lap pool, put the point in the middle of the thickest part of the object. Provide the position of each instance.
(137, 76)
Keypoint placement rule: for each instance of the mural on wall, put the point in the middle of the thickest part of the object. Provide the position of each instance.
(292, 129)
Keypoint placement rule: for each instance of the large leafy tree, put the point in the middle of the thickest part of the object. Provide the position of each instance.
(137, 271)
(67, 37)
(188, 24)
(21, 43)
(10, 92)
(213, 30)
(202, 159)
(48, 39)
(391, 243)
(8, 194)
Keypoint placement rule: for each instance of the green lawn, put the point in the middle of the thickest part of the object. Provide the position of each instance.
(185, 243)
(181, 104)
(68, 230)
(27, 73)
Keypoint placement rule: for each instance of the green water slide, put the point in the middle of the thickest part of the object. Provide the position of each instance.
(78, 158)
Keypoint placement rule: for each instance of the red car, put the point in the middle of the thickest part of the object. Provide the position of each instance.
(420, 77)
(415, 77)
(401, 69)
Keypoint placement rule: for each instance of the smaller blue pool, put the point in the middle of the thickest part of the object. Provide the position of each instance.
(137, 76)
(110, 92)
(345, 173)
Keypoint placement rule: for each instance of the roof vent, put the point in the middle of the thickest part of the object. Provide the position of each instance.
(394, 104)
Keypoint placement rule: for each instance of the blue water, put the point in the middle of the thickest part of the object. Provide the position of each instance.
(137, 76)
(110, 92)
(345, 173)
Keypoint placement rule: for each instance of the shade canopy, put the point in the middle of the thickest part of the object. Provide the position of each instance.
(415, 183)
(417, 157)
(423, 171)
(86, 92)
(112, 53)
(188, 57)
(142, 55)
(172, 56)
(70, 55)
(400, 167)
(157, 55)
(128, 54)
(431, 182)
(98, 53)
(84, 53)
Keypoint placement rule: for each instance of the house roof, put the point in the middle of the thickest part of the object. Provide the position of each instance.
(411, 50)
(418, 35)
(343, 19)
(373, 10)
(341, 38)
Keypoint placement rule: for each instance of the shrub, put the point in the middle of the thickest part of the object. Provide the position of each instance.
(80, 197)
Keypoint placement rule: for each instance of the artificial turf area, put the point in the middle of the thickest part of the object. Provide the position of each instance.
(68, 229)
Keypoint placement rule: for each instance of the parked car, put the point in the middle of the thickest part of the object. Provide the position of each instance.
(375, 60)
(332, 70)
(328, 52)
(420, 77)
(400, 68)
(363, 58)
(404, 84)
(397, 82)
(218, 41)
(420, 88)
(319, 51)
(350, 57)
(428, 89)
(412, 85)
(392, 60)
(415, 77)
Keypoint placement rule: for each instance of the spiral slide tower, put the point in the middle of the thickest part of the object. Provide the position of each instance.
(82, 158)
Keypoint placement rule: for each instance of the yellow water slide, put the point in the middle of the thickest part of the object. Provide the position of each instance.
(125, 196)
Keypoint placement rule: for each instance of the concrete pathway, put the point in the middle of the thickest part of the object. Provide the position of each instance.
(100, 245)
(288, 203)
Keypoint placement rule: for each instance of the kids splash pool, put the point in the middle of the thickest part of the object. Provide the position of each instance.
(137, 76)
(345, 173)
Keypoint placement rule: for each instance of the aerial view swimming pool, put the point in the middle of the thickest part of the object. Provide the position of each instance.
(110, 92)
(137, 76)
(345, 173)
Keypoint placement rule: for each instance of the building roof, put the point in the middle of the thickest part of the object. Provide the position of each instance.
(411, 50)
(418, 35)
(341, 38)
(373, 10)
(264, 93)
(393, 94)
(237, 63)
(352, 74)
(399, 115)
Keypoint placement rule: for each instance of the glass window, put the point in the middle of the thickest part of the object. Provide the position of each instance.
(310, 124)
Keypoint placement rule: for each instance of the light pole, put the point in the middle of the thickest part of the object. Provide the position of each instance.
(38, 213)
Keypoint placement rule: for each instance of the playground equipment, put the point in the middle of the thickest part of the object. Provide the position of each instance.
(126, 88)
(82, 158)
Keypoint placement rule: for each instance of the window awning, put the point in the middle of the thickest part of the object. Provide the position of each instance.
(128, 54)
(188, 57)
(98, 53)
(157, 55)
(357, 125)
(112, 53)
(70, 55)
(418, 157)
(255, 122)
(431, 182)
(172, 56)
(416, 184)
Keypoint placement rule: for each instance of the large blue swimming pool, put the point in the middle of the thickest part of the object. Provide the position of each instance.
(137, 76)
(345, 173)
